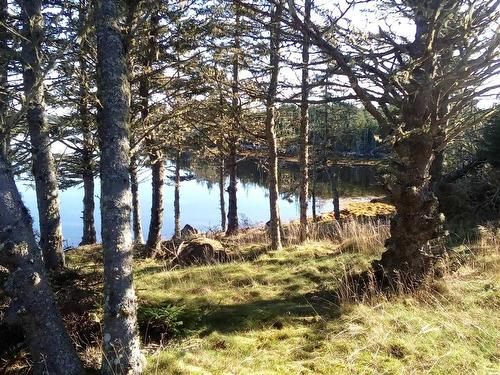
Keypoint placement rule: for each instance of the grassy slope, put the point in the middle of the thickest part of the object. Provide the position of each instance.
(278, 314)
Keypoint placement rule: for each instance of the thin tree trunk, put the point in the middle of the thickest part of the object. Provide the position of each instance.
(177, 206)
(222, 202)
(89, 233)
(156, 157)
(232, 210)
(136, 205)
(4, 67)
(121, 351)
(43, 167)
(304, 132)
(156, 223)
(313, 177)
(270, 128)
(334, 178)
(33, 306)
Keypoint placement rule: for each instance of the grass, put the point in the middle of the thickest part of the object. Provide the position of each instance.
(279, 313)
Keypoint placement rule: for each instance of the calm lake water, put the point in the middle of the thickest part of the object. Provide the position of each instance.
(199, 197)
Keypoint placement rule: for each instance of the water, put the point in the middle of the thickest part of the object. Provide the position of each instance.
(199, 197)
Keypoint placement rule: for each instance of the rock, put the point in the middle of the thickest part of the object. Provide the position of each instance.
(200, 250)
(188, 231)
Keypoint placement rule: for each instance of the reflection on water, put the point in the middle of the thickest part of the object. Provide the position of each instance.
(199, 197)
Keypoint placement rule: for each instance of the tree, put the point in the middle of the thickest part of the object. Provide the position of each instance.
(232, 212)
(155, 150)
(33, 306)
(422, 88)
(274, 58)
(42, 160)
(121, 352)
(73, 90)
(4, 68)
(304, 130)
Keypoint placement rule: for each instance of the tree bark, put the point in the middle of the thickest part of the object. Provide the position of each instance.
(232, 210)
(89, 233)
(414, 245)
(156, 156)
(334, 178)
(177, 206)
(4, 67)
(43, 168)
(313, 178)
(304, 131)
(33, 307)
(136, 205)
(222, 202)
(156, 223)
(121, 351)
(270, 127)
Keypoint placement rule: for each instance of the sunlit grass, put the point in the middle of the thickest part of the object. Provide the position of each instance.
(278, 313)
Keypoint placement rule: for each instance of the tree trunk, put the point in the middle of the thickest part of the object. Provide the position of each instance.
(33, 306)
(156, 157)
(121, 351)
(4, 67)
(313, 194)
(156, 223)
(177, 206)
(270, 128)
(42, 161)
(136, 205)
(222, 202)
(89, 233)
(334, 179)
(232, 210)
(313, 178)
(304, 132)
(414, 247)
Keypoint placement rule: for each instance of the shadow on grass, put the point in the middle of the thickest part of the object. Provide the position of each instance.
(204, 318)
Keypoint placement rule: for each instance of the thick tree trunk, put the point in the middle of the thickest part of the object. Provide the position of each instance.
(222, 202)
(156, 223)
(414, 246)
(232, 210)
(121, 351)
(42, 161)
(177, 205)
(136, 205)
(33, 307)
(304, 131)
